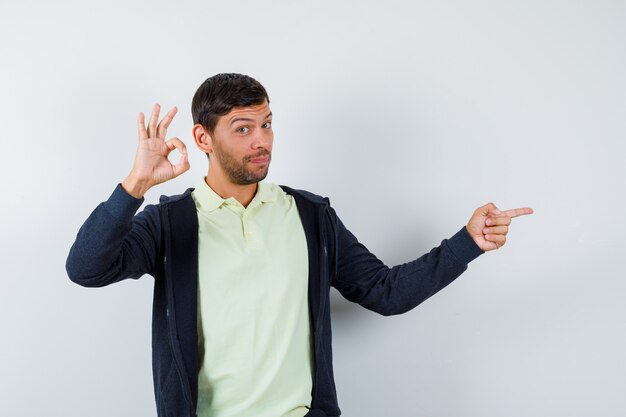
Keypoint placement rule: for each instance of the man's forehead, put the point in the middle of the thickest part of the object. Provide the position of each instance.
(256, 111)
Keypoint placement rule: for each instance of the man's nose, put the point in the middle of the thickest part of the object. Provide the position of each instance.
(262, 138)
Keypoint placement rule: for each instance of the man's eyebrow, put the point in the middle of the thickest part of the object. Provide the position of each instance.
(247, 119)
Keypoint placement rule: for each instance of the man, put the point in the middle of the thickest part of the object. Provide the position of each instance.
(243, 268)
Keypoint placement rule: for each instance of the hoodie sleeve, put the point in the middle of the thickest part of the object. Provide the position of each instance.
(362, 278)
(114, 243)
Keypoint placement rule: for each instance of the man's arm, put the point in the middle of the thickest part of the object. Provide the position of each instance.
(364, 279)
(113, 243)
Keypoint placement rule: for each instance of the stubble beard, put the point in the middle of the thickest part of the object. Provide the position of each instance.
(238, 171)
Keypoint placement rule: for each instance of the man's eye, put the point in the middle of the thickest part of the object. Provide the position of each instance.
(267, 125)
(242, 130)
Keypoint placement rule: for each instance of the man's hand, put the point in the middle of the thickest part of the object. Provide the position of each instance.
(151, 165)
(489, 226)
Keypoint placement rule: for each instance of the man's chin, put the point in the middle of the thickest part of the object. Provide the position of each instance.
(262, 176)
(255, 177)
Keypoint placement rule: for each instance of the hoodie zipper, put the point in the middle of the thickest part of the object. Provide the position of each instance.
(323, 291)
(171, 316)
(323, 274)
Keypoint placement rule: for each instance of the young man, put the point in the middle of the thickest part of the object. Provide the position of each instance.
(243, 268)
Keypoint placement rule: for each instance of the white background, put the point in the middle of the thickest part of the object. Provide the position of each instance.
(407, 115)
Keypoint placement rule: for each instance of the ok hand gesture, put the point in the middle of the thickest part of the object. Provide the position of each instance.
(489, 226)
(152, 165)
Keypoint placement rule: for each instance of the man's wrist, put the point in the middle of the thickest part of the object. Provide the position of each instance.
(464, 247)
(135, 187)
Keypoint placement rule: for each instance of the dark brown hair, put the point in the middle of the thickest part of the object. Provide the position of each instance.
(220, 93)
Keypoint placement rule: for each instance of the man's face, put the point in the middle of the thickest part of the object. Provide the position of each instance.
(242, 144)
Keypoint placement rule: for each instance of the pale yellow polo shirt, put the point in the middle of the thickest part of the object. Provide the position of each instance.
(253, 317)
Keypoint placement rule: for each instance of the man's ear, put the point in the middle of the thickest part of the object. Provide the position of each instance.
(204, 142)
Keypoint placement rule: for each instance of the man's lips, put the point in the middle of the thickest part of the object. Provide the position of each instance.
(260, 160)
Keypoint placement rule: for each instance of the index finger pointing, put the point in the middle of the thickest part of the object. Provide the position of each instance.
(518, 212)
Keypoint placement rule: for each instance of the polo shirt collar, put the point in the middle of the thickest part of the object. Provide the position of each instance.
(264, 193)
(209, 200)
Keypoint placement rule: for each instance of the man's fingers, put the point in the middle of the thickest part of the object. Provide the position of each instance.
(498, 221)
(504, 219)
(175, 143)
(141, 126)
(183, 163)
(518, 212)
(181, 166)
(489, 225)
(154, 118)
(164, 124)
(499, 240)
(155, 128)
(496, 230)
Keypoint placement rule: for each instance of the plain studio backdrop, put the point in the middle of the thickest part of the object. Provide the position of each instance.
(408, 116)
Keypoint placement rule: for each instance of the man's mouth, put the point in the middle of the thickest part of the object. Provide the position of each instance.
(261, 159)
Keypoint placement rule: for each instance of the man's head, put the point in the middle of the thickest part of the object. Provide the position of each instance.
(220, 93)
(233, 126)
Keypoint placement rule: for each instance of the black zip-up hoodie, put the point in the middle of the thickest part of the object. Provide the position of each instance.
(162, 240)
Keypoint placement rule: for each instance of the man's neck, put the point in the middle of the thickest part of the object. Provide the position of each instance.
(226, 189)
